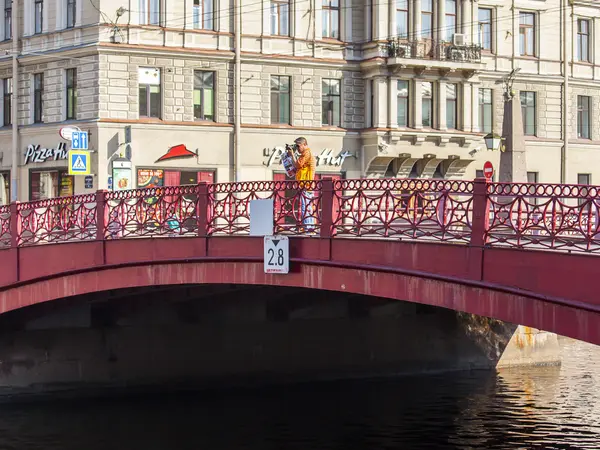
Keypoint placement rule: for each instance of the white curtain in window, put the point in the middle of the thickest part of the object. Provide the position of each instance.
(3, 194)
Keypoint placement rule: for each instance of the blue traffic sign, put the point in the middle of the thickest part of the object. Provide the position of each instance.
(79, 140)
(79, 162)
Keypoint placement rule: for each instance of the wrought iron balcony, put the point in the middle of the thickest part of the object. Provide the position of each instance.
(432, 50)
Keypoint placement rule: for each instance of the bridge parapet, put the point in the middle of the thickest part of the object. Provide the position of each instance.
(476, 213)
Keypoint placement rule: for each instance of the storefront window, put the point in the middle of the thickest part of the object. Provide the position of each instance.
(150, 178)
(50, 184)
(4, 188)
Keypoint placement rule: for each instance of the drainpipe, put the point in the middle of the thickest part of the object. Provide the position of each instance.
(237, 89)
(565, 105)
(14, 188)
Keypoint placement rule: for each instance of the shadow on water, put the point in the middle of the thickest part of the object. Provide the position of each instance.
(546, 407)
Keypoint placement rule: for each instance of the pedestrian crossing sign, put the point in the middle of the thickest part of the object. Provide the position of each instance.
(79, 162)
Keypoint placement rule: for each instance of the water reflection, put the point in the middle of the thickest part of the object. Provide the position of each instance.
(548, 407)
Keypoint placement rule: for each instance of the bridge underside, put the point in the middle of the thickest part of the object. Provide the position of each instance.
(214, 335)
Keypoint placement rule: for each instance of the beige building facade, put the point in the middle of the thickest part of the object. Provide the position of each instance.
(379, 89)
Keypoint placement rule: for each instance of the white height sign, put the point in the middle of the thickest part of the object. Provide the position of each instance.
(277, 254)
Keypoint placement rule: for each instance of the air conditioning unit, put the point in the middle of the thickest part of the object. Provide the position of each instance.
(459, 39)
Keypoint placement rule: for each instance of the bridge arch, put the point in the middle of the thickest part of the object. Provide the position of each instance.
(568, 318)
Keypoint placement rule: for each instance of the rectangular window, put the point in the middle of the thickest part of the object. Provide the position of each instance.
(4, 188)
(71, 88)
(583, 179)
(332, 101)
(71, 5)
(583, 117)
(403, 103)
(527, 34)
(203, 14)
(331, 19)
(450, 20)
(427, 103)
(7, 89)
(50, 184)
(528, 112)
(39, 15)
(280, 17)
(149, 12)
(38, 97)
(426, 19)
(280, 99)
(149, 92)
(485, 110)
(532, 177)
(7, 19)
(583, 40)
(402, 19)
(372, 102)
(451, 105)
(485, 28)
(204, 95)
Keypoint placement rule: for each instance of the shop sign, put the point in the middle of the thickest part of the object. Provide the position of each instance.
(38, 154)
(327, 157)
(175, 152)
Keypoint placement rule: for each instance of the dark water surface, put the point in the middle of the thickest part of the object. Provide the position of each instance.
(531, 408)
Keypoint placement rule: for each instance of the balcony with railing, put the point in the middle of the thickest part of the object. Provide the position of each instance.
(434, 54)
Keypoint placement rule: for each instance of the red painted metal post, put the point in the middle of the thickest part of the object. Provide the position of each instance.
(326, 207)
(202, 209)
(481, 212)
(100, 215)
(15, 225)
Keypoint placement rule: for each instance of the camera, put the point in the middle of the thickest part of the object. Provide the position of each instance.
(293, 147)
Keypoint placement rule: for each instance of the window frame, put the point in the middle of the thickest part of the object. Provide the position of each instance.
(147, 14)
(404, 99)
(328, 9)
(38, 29)
(580, 38)
(454, 102)
(7, 101)
(431, 101)
(581, 201)
(71, 91)
(71, 13)
(330, 98)
(427, 13)
(278, 6)
(523, 95)
(449, 32)
(401, 11)
(148, 87)
(7, 20)
(524, 29)
(38, 97)
(482, 24)
(202, 20)
(482, 108)
(280, 120)
(202, 90)
(580, 116)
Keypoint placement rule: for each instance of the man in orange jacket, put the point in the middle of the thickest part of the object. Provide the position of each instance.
(305, 172)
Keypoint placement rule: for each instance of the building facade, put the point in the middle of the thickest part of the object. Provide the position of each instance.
(380, 89)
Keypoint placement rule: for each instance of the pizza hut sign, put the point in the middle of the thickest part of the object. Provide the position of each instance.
(328, 157)
(37, 154)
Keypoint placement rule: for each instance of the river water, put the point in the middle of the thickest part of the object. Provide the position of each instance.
(548, 407)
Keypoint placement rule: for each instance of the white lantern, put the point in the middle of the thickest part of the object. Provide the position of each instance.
(492, 141)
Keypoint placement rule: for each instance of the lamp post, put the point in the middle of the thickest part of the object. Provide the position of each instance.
(513, 164)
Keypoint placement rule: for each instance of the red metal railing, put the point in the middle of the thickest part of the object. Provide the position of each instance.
(535, 216)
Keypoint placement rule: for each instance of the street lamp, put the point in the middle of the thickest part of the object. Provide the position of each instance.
(494, 142)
